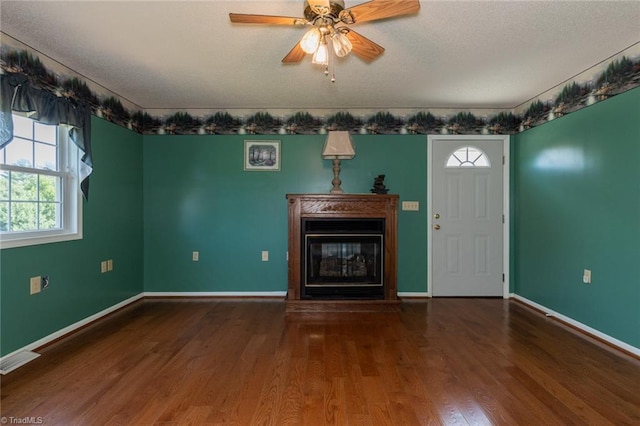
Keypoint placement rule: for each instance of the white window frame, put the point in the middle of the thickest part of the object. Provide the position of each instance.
(70, 197)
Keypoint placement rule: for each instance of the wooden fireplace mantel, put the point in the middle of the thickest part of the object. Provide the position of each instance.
(343, 206)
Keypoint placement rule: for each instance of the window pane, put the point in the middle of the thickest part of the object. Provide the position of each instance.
(4, 216)
(49, 214)
(482, 162)
(45, 133)
(20, 153)
(49, 188)
(23, 216)
(46, 157)
(4, 185)
(24, 187)
(22, 126)
(453, 161)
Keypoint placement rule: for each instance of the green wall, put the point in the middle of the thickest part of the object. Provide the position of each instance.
(112, 230)
(197, 197)
(155, 199)
(577, 206)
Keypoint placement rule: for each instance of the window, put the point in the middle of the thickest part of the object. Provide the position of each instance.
(468, 156)
(39, 197)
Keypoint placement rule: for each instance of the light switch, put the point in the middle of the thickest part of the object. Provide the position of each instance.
(265, 256)
(195, 256)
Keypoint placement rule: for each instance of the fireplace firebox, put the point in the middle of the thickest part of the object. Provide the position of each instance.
(343, 258)
(342, 252)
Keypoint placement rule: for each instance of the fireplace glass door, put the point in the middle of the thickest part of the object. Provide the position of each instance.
(343, 265)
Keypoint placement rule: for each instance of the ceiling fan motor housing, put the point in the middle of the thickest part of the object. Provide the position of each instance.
(331, 10)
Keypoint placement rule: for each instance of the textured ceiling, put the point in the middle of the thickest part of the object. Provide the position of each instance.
(452, 54)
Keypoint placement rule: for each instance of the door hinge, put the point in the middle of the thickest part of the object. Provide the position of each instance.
(502, 218)
(503, 160)
(503, 277)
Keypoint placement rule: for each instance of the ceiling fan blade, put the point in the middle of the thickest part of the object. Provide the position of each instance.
(295, 55)
(381, 9)
(242, 18)
(363, 47)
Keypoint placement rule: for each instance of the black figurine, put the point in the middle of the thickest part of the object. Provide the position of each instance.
(378, 185)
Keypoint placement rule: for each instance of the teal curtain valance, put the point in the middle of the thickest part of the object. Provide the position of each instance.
(17, 94)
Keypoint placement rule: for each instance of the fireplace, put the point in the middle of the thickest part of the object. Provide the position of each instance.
(342, 251)
(343, 258)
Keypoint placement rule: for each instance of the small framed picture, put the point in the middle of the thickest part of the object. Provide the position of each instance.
(262, 156)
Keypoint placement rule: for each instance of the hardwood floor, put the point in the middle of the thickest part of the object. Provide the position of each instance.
(243, 362)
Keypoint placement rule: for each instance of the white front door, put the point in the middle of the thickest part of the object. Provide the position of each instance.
(467, 215)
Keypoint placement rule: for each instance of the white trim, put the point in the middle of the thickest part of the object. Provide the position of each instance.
(414, 294)
(11, 363)
(214, 293)
(582, 327)
(506, 183)
(506, 207)
(429, 210)
(64, 331)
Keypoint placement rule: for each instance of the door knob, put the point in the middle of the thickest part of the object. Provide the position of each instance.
(436, 216)
(436, 227)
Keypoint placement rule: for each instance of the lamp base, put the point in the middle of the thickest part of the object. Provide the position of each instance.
(336, 177)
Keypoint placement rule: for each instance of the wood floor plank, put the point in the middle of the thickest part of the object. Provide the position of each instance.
(246, 362)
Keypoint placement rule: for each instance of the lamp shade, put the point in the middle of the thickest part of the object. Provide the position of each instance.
(338, 146)
(341, 44)
(311, 40)
(321, 57)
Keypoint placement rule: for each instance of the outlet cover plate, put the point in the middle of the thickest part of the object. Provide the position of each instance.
(35, 285)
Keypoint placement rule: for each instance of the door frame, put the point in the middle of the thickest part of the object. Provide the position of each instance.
(506, 230)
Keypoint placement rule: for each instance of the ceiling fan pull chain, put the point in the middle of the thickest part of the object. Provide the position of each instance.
(329, 61)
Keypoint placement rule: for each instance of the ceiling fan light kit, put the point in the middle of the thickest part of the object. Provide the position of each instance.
(330, 25)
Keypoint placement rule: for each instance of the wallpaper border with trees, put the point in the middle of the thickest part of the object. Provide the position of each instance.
(597, 84)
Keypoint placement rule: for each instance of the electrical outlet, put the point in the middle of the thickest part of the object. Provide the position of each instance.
(265, 256)
(586, 276)
(103, 266)
(411, 205)
(109, 265)
(195, 256)
(35, 285)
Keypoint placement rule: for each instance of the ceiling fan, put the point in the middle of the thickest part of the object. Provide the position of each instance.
(330, 23)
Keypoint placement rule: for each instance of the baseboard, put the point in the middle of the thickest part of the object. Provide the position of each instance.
(236, 294)
(73, 327)
(592, 332)
(414, 294)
